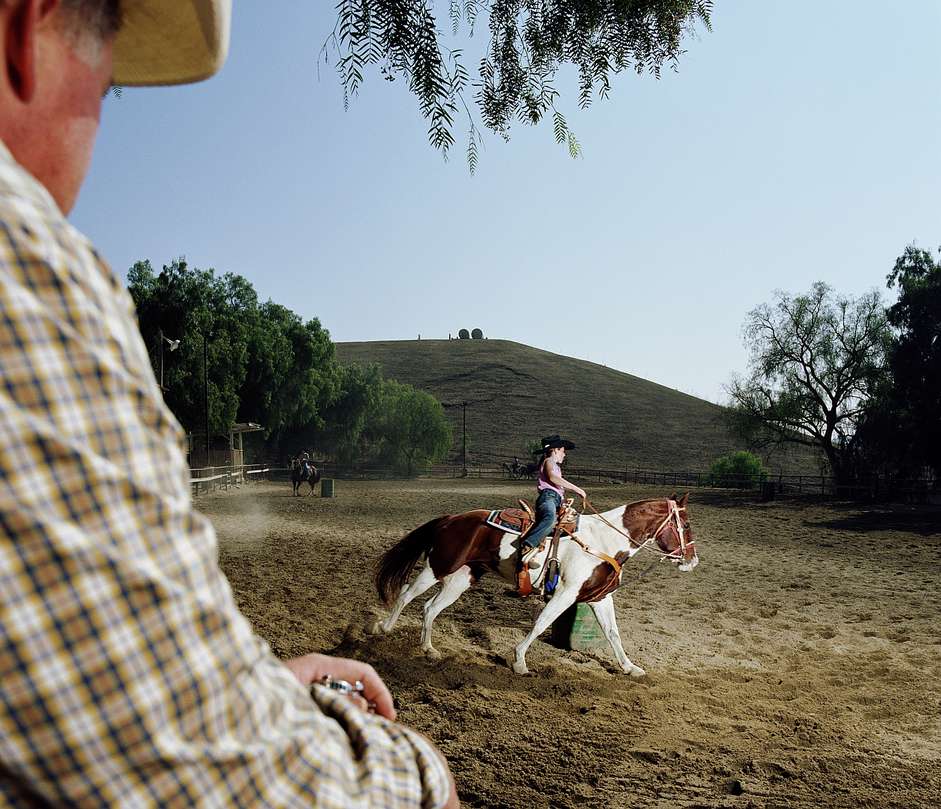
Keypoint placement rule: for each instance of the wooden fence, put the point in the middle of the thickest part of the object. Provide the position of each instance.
(876, 488)
(207, 478)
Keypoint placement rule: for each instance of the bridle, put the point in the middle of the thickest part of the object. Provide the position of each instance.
(673, 518)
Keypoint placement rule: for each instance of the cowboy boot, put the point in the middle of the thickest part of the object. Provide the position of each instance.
(530, 557)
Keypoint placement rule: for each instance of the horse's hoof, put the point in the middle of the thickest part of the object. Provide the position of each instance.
(374, 627)
(520, 667)
(637, 672)
(431, 653)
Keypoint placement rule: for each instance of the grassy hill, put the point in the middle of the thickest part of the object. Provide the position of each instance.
(517, 394)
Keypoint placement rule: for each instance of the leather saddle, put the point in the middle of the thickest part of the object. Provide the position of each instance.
(520, 520)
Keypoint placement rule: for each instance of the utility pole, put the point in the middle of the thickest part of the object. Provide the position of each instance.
(162, 389)
(174, 345)
(206, 393)
(464, 441)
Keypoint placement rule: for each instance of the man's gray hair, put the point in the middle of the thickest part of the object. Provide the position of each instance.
(100, 18)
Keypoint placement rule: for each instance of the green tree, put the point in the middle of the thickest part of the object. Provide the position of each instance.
(915, 360)
(346, 421)
(408, 427)
(902, 431)
(815, 360)
(262, 362)
(294, 399)
(196, 307)
(528, 41)
(737, 470)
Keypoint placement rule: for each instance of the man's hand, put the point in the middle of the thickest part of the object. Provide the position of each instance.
(313, 667)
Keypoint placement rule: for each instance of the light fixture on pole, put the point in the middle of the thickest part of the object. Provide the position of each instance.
(174, 345)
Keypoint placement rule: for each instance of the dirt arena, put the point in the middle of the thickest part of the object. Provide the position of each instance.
(798, 666)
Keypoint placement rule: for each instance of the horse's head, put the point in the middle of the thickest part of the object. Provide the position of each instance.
(666, 522)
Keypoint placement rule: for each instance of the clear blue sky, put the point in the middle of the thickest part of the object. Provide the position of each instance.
(798, 142)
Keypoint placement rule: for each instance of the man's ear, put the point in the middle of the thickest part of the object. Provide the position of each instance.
(22, 22)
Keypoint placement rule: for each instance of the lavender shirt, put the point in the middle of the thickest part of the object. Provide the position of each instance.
(543, 483)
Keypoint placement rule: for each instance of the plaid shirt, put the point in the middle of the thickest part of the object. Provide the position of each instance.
(128, 677)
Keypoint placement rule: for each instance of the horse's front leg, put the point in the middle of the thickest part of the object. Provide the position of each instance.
(604, 612)
(563, 599)
(452, 586)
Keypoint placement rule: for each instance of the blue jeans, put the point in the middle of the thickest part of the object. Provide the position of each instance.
(547, 509)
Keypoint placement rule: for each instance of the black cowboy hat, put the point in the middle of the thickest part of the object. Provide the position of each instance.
(553, 441)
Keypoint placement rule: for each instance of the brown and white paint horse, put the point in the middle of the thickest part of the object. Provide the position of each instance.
(460, 548)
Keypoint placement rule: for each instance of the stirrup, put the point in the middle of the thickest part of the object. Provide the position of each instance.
(529, 558)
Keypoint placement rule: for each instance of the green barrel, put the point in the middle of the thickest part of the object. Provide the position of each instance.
(578, 629)
(326, 487)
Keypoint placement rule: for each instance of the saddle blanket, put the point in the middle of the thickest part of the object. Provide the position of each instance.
(512, 520)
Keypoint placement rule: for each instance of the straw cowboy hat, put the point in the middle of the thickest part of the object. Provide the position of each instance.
(170, 41)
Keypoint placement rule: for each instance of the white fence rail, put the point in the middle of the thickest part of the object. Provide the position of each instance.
(207, 478)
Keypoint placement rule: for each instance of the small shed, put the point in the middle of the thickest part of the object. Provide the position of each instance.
(236, 450)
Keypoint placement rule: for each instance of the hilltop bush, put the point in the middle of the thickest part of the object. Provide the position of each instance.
(737, 470)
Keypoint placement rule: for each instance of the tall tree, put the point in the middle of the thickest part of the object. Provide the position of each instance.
(265, 364)
(815, 360)
(528, 42)
(211, 317)
(344, 433)
(903, 427)
(260, 363)
(292, 376)
(408, 427)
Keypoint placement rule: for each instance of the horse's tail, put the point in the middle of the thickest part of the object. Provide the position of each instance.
(397, 563)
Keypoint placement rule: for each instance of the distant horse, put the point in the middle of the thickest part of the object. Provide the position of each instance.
(301, 472)
(516, 470)
(460, 548)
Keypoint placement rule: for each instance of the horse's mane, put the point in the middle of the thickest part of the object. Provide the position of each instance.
(645, 500)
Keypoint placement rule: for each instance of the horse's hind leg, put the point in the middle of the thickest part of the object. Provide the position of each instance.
(604, 612)
(452, 586)
(561, 601)
(423, 582)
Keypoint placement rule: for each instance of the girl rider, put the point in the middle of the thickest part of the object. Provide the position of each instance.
(550, 486)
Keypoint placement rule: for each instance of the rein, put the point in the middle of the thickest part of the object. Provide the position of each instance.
(673, 513)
